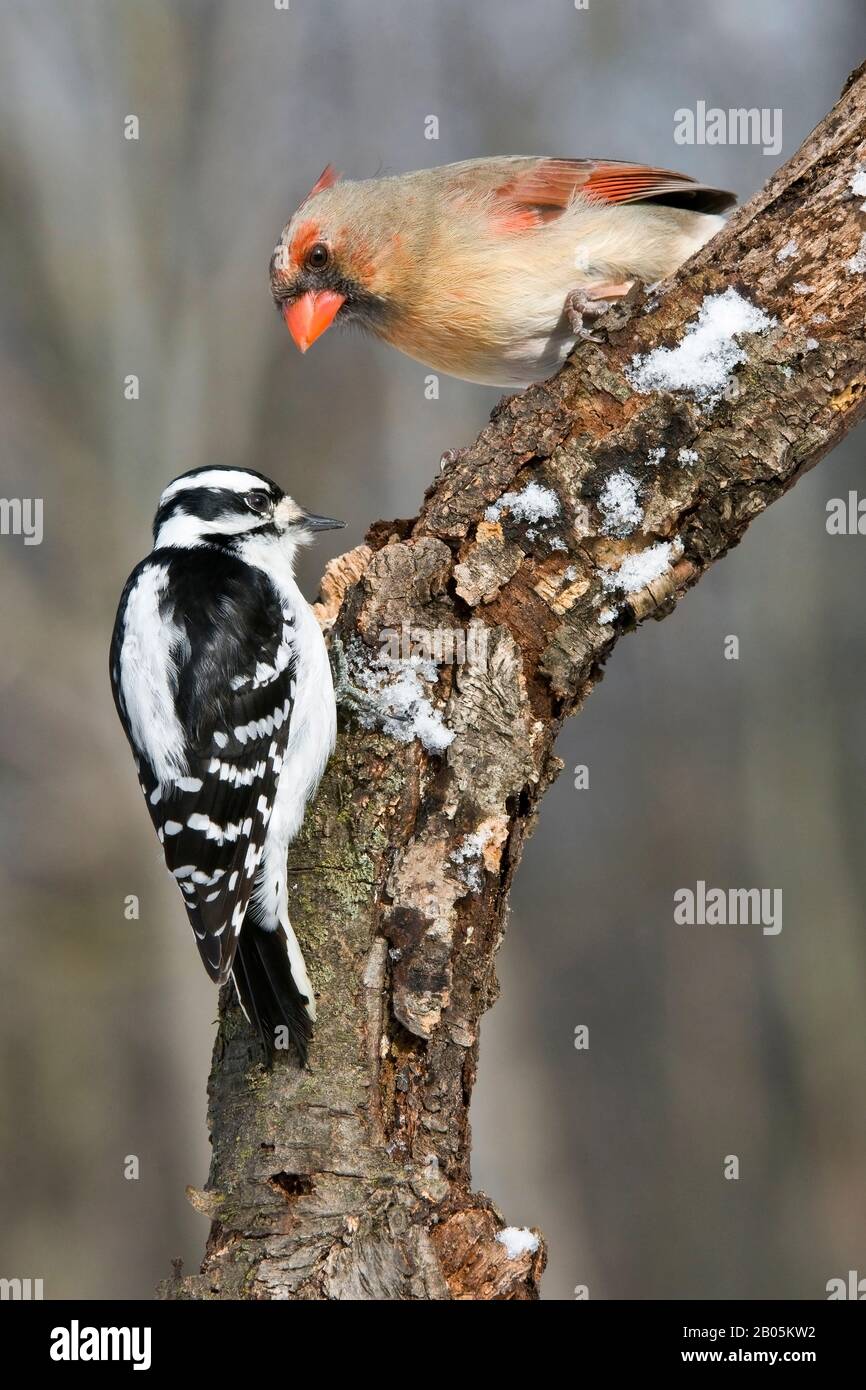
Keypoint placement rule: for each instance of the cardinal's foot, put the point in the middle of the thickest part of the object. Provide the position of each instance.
(584, 306)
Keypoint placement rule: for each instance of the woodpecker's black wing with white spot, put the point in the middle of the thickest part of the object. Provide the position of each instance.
(219, 657)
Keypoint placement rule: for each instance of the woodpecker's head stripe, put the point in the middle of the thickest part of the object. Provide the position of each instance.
(238, 480)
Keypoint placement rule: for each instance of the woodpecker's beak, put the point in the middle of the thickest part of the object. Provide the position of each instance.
(321, 523)
(308, 317)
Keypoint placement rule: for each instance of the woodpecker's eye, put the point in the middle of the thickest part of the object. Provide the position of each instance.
(318, 256)
(258, 502)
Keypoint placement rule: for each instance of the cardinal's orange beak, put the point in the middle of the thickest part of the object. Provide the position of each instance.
(308, 317)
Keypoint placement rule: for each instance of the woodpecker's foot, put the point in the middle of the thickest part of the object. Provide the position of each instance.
(584, 306)
(348, 696)
(369, 707)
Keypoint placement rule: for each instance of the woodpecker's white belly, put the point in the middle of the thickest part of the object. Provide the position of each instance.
(312, 731)
(312, 734)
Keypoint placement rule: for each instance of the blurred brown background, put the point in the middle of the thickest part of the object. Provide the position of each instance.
(150, 257)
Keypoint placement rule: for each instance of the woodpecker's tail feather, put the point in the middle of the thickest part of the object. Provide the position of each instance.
(269, 996)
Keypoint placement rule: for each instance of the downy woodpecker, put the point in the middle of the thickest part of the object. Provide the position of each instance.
(222, 682)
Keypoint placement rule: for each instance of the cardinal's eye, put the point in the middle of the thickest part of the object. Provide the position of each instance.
(258, 502)
(318, 256)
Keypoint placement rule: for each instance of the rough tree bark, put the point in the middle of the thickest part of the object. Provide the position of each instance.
(351, 1180)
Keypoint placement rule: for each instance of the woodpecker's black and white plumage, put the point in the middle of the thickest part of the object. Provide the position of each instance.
(222, 682)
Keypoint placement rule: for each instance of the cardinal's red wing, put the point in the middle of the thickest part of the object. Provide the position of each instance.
(535, 191)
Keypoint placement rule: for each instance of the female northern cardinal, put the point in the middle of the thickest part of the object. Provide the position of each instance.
(488, 269)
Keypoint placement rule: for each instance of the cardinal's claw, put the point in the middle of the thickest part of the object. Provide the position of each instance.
(584, 306)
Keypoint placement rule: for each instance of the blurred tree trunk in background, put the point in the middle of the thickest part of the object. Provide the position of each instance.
(352, 1180)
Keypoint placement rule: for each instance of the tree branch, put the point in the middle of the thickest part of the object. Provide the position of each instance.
(352, 1180)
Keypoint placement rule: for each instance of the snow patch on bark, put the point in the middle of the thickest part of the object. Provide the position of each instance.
(533, 503)
(702, 362)
(636, 571)
(518, 1240)
(619, 506)
(403, 706)
(857, 264)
